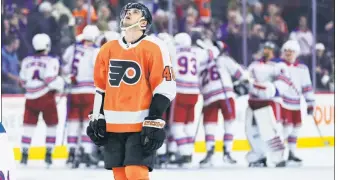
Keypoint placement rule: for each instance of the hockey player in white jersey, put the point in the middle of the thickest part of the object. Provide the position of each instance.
(215, 80)
(183, 107)
(7, 163)
(301, 86)
(79, 62)
(39, 76)
(270, 80)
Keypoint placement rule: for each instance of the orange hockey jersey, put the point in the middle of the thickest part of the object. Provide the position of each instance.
(130, 75)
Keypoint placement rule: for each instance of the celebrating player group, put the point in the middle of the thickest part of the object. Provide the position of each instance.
(119, 86)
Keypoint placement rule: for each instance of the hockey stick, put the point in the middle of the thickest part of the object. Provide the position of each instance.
(66, 120)
(325, 142)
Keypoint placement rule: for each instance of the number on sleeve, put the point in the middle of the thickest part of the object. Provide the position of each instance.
(168, 73)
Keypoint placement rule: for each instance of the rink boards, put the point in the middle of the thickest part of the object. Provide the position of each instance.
(13, 108)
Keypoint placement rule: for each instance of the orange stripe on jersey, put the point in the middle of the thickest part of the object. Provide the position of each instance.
(130, 77)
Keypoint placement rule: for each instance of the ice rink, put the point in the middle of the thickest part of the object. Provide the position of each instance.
(318, 164)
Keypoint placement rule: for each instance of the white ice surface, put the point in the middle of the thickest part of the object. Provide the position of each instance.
(318, 164)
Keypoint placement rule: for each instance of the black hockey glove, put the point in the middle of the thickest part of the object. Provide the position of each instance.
(310, 110)
(97, 140)
(241, 88)
(153, 133)
(96, 130)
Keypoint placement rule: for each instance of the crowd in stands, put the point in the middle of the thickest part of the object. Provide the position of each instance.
(266, 20)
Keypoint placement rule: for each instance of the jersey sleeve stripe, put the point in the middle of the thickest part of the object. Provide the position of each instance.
(50, 79)
(284, 79)
(238, 74)
(307, 89)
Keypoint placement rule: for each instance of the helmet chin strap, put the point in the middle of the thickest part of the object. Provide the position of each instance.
(132, 26)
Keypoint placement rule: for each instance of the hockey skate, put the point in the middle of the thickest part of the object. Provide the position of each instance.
(294, 160)
(48, 158)
(87, 160)
(182, 161)
(281, 164)
(77, 158)
(207, 160)
(227, 157)
(258, 163)
(161, 161)
(71, 156)
(24, 158)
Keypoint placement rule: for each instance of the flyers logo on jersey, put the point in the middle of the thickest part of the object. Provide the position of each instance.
(122, 70)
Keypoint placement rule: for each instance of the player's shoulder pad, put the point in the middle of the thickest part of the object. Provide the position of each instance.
(108, 45)
(153, 39)
(162, 46)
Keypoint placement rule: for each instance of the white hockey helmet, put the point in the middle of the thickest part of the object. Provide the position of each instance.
(182, 39)
(41, 42)
(291, 45)
(90, 33)
(167, 38)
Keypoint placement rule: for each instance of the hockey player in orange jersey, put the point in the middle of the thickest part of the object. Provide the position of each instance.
(134, 83)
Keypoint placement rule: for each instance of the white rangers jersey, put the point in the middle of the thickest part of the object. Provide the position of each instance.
(269, 71)
(39, 74)
(79, 62)
(216, 79)
(301, 85)
(185, 65)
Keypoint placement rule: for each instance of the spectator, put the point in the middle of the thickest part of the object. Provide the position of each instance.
(42, 21)
(323, 67)
(276, 29)
(256, 37)
(329, 33)
(80, 13)
(6, 28)
(67, 33)
(258, 13)
(233, 36)
(104, 16)
(60, 9)
(21, 32)
(304, 37)
(10, 66)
